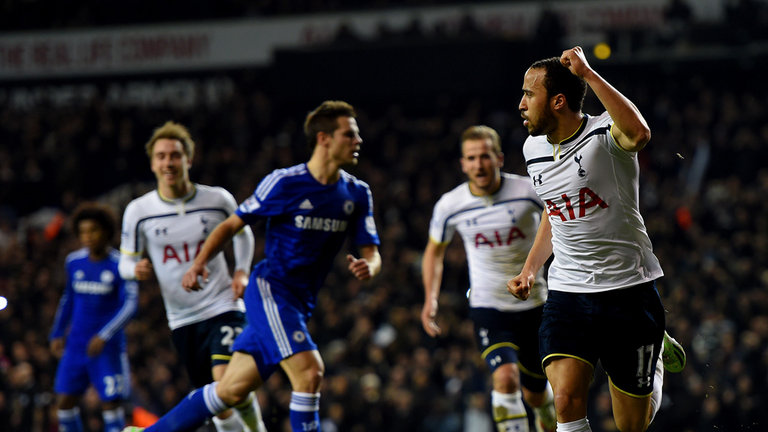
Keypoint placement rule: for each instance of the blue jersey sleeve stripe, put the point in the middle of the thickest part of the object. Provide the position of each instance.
(125, 313)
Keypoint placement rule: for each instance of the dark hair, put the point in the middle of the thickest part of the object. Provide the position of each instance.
(325, 119)
(559, 79)
(99, 213)
(173, 131)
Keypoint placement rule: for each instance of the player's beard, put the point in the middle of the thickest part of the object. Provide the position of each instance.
(544, 125)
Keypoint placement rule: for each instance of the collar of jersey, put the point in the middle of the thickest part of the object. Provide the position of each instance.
(186, 198)
(556, 146)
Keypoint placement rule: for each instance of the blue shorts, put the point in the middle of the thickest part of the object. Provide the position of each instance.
(623, 329)
(208, 343)
(277, 325)
(511, 337)
(108, 372)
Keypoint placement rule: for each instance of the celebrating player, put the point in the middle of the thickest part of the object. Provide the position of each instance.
(603, 303)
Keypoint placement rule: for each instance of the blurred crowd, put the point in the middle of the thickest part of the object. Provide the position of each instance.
(703, 186)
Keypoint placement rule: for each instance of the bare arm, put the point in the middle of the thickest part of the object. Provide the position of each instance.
(630, 130)
(243, 245)
(222, 234)
(368, 266)
(432, 276)
(520, 286)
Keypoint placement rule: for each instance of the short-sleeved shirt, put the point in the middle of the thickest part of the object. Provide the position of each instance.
(308, 223)
(172, 231)
(590, 187)
(498, 231)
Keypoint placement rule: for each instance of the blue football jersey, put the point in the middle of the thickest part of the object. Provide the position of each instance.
(307, 223)
(96, 300)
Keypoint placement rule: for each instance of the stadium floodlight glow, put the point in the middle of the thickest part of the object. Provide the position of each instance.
(602, 51)
(3, 302)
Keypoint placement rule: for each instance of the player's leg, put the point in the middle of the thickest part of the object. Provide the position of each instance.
(507, 399)
(71, 382)
(568, 352)
(113, 415)
(634, 322)
(570, 379)
(240, 378)
(537, 392)
(305, 372)
(221, 333)
(68, 413)
(110, 375)
(499, 351)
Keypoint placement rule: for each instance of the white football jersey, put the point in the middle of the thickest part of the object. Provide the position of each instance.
(590, 186)
(497, 231)
(171, 232)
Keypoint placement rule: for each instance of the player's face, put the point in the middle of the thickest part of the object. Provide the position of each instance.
(169, 163)
(534, 106)
(345, 142)
(481, 164)
(91, 235)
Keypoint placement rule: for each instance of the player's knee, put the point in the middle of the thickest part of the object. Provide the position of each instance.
(506, 378)
(310, 379)
(568, 404)
(232, 395)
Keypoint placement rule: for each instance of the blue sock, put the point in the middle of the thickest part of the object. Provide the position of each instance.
(114, 420)
(305, 411)
(191, 412)
(69, 420)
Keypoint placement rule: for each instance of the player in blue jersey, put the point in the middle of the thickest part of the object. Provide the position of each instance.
(87, 331)
(310, 210)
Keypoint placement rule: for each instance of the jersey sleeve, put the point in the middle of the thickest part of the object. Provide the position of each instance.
(265, 201)
(365, 225)
(64, 312)
(130, 295)
(440, 230)
(243, 243)
(132, 242)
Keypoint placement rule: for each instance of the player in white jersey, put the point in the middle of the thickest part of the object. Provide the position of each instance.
(603, 303)
(163, 231)
(497, 215)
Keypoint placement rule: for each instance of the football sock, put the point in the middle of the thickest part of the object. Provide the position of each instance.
(69, 420)
(509, 412)
(191, 412)
(581, 425)
(229, 424)
(114, 420)
(658, 383)
(250, 414)
(305, 411)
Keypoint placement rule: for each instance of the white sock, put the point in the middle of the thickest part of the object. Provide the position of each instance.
(509, 412)
(581, 425)
(229, 424)
(250, 414)
(658, 383)
(545, 414)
